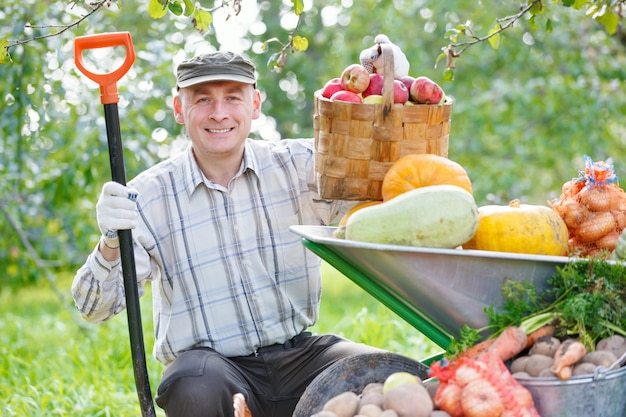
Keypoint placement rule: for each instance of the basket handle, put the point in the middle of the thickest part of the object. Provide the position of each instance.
(388, 68)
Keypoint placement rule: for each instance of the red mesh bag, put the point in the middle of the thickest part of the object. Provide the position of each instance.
(481, 387)
(593, 206)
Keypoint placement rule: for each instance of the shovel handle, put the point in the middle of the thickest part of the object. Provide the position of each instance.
(107, 81)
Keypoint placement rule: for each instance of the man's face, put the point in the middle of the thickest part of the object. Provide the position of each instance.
(217, 115)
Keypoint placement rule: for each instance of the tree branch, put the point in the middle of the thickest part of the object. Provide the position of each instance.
(94, 8)
(452, 50)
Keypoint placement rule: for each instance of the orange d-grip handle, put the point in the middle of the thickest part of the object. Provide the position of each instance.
(107, 81)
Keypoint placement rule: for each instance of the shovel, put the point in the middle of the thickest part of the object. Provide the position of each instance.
(109, 98)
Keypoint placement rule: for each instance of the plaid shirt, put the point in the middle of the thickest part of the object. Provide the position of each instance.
(226, 271)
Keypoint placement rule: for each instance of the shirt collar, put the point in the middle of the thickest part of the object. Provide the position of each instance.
(194, 176)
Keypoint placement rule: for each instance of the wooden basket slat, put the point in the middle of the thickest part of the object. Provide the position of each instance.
(355, 145)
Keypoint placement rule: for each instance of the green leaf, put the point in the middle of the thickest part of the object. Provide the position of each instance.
(579, 4)
(300, 44)
(448, 75)
(549, 26)
(568, 3)
(494, 40)
(202, 20)
(441, 56)
(189, 7)
(537, 8)
(157, 8)
(272, 62)
(532, 23)
(609, 20)
(298, 6)
(4, 51)
(175, 7)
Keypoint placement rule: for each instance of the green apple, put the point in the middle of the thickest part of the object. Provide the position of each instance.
(399, 378)
(373, 99)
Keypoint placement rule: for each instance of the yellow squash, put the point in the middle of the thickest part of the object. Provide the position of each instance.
(520, 228)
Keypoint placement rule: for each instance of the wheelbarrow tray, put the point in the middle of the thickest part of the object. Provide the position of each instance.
(438, 291)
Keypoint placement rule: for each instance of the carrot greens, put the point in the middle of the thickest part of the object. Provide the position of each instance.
(584, 298)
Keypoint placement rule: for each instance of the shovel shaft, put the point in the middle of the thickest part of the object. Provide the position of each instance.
(133, 311)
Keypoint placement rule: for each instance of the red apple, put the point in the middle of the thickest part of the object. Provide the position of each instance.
(331, 87)
(426, 91)
(345, 95)
(375, 87)
(400, 92)
(407, 80)
(355, 78)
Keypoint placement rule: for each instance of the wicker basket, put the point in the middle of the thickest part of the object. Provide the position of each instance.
(356, 144)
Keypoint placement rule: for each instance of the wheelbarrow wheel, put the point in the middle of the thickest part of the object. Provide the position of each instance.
(353, 374)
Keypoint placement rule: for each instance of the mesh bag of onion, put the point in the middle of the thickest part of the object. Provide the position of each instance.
(593, 206)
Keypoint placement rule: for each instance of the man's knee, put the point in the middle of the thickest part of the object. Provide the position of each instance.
(197, 384)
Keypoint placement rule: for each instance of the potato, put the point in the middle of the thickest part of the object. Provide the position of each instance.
(373, 387)
(604, 358)
(519, 364)
(343, 405)
(439, 413)
(584, 368)
(546, 373)
(537, 363)
(520, 374)
(409, 400)
(389, 413)
(370, 410)
(615, 344)
(372, 397)
(546, 345)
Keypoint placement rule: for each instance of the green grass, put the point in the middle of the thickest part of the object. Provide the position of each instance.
(52, 365)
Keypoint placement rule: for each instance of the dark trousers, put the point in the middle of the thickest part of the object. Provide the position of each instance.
(201, 382)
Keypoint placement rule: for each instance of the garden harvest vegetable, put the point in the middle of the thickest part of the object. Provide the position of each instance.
(483, 387)
(421, 170)
(566, 356)
(437, 216)
(593, 206)
(510, 342)
(520, 228)
(585, 298)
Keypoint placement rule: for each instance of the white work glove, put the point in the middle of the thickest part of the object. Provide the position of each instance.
(116, 210)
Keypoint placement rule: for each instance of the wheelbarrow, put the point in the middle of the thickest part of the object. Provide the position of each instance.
(437, 291)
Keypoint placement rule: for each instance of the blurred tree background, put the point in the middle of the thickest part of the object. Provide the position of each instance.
(524, 116)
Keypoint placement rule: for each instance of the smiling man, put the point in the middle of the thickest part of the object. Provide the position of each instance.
(234, 291)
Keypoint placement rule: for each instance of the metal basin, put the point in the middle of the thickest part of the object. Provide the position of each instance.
(447, 288)
(599, 395)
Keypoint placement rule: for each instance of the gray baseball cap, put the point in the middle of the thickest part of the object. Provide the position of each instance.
(215, 66)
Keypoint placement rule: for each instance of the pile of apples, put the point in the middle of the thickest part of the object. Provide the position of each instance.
(358, 85)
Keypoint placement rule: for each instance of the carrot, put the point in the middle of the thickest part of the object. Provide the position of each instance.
(546, 330)
(509, 343)
(568, 353)
(478, 349)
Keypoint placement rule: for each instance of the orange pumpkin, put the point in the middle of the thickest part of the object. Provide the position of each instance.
(420, 170)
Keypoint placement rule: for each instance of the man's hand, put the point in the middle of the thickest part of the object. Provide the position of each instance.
(240, 407)
(116, 210)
